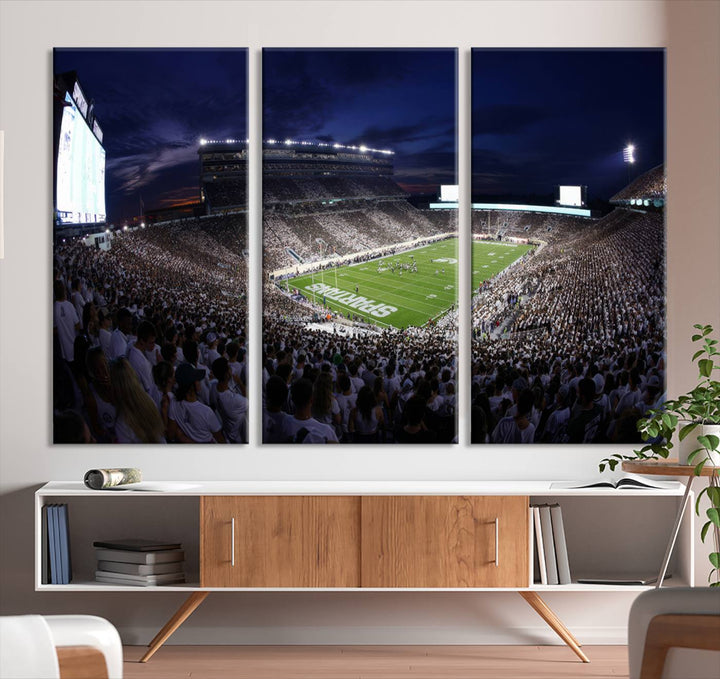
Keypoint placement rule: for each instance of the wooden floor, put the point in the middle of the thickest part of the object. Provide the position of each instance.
(375, 662)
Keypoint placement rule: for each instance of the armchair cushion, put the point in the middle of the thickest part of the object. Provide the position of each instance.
(29, 645)
(658, 609)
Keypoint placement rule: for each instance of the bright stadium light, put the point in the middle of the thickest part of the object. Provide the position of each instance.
(363, 148)
(203, 142)
(629, 154)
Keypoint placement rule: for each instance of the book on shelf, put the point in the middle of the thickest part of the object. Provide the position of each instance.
(130, 556)
(55, 555)
(623, 579)
(549, 545)
(139, 568)
(539, 545)
(53, 545)
(137, 545)
(561, 551)
(550, 552)
(45, 552)
(139, 580)
(621, 482)
(64, 539)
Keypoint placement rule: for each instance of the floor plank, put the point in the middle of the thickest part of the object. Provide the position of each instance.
(375, 662)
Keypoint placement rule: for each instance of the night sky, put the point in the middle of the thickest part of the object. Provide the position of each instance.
(547, 117)
(153, 107)
(398, 99)
(540, 117)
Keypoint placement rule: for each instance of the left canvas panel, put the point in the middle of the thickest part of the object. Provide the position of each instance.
(150, 259)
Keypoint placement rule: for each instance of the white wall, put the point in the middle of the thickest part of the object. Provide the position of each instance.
(28, 31)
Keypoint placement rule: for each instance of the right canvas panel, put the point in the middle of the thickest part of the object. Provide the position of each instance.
(568, 243)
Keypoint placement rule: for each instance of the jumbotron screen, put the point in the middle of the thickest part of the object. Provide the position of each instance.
(449, 193)
(571, 195)
(80, 190)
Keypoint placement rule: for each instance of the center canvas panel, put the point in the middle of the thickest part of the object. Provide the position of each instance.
(360, 245)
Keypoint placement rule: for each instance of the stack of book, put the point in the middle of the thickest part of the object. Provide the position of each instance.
(143, 563)
(552, 565)
(56, 565)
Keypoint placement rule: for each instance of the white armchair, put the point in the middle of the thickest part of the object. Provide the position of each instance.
(59, 647)
(674, 633)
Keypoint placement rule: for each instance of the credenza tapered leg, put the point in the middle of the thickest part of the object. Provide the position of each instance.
(547, 614)
(180, 616)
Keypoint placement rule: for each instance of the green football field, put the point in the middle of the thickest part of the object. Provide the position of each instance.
(373, 292)
(491, 257)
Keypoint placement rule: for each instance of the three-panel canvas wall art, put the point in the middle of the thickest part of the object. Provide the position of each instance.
(361, 264)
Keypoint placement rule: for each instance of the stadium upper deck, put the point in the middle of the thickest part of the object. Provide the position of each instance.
(649, 189)
(322, 170)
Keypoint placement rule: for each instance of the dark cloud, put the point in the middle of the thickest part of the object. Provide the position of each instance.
(505, 119)
(424, 130)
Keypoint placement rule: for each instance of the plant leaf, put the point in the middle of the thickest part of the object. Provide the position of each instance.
(713, 493)
(706, 367)
(704, 530)
(709, 441)
(715, 559)
(694, 454)
(714, 516)
(687, 429)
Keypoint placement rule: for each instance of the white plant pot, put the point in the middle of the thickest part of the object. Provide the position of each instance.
(690, 443)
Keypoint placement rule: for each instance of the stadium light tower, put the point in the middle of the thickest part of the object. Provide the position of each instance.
(629, 158)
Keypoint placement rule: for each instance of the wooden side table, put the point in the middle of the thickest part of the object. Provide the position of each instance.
(669, 468)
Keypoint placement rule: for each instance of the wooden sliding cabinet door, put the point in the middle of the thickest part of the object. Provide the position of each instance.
(445, 541)
(293, 541)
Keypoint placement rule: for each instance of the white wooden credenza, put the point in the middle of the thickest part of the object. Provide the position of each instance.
(371, 536)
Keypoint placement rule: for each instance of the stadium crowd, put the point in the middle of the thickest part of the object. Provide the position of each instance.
(302, 189)
(342, 229)
(568, 346)
(651, 185)
(355, 384)
(151, 335)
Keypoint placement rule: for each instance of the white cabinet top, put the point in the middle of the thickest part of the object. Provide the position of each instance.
(198, 488)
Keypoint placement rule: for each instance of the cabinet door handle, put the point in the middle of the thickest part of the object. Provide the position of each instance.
(232, 542)
(497, 542)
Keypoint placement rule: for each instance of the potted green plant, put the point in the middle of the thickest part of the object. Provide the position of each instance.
(695, 416)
